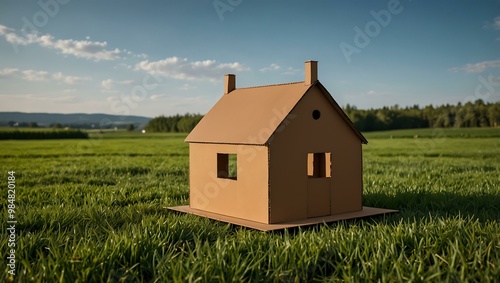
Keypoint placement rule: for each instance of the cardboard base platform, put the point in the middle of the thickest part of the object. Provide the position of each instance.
(365, 212)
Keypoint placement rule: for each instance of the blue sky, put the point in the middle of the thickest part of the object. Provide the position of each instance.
(166, 57)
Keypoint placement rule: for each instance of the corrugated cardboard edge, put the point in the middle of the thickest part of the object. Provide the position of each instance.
(365, 212)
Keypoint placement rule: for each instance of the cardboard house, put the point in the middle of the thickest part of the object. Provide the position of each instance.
(276, 156)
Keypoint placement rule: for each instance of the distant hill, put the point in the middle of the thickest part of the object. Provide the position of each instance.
(75, 120)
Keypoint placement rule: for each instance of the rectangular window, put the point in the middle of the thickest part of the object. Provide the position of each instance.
(319, 165)
(227, 166)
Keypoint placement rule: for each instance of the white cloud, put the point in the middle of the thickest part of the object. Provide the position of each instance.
(272, 67)
(370, 92)
(65, 98)
(5, 30)
(7, 72)
(52, 103)
(40, 76)
(32, 75)
(68, 79)
(92, 50)
(187, 87)
(155, 97)
(126, 82)
(110, 99)
(107, 84)
(40, 98)
(496, 23)
(140, 56)
(110, 84)
(182, 69)
(290, 71)
(477, 67)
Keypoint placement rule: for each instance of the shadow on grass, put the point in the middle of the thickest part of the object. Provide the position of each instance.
(482, 206)
(416, 206)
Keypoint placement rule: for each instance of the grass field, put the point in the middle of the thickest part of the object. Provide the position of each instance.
(94, 211)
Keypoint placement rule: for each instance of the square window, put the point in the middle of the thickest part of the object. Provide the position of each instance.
(319, 165)
(227, 166)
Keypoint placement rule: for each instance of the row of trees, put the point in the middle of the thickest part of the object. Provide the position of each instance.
(477, 114)
(14, 124)
(173, 124)
(22, 124)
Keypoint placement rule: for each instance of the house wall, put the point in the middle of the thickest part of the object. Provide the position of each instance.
(299, 135)
(246, 197)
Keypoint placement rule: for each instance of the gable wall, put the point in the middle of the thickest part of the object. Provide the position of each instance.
(299, 135)
(246, 197)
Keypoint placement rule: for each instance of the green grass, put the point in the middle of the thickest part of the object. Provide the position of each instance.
(436, 133)
(25, 129)
(42, 135)
(94, 211)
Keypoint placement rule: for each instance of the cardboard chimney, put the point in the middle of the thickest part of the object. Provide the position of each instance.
(229, 83)
(276, 156)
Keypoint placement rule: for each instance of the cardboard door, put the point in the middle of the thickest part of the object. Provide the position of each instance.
(318, 197)
(319, 174)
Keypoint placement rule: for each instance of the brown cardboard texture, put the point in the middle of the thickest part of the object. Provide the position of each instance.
(365, 212)
(275, 156)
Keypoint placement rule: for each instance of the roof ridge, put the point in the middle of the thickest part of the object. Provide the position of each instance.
(291, 83)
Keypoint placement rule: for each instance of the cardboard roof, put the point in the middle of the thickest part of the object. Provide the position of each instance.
(251, 115)
(341, 112)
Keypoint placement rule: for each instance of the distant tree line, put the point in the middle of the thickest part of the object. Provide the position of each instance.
(173, 124)
(477, 114)
(128, 127)
(22, 124)
(41, 135)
